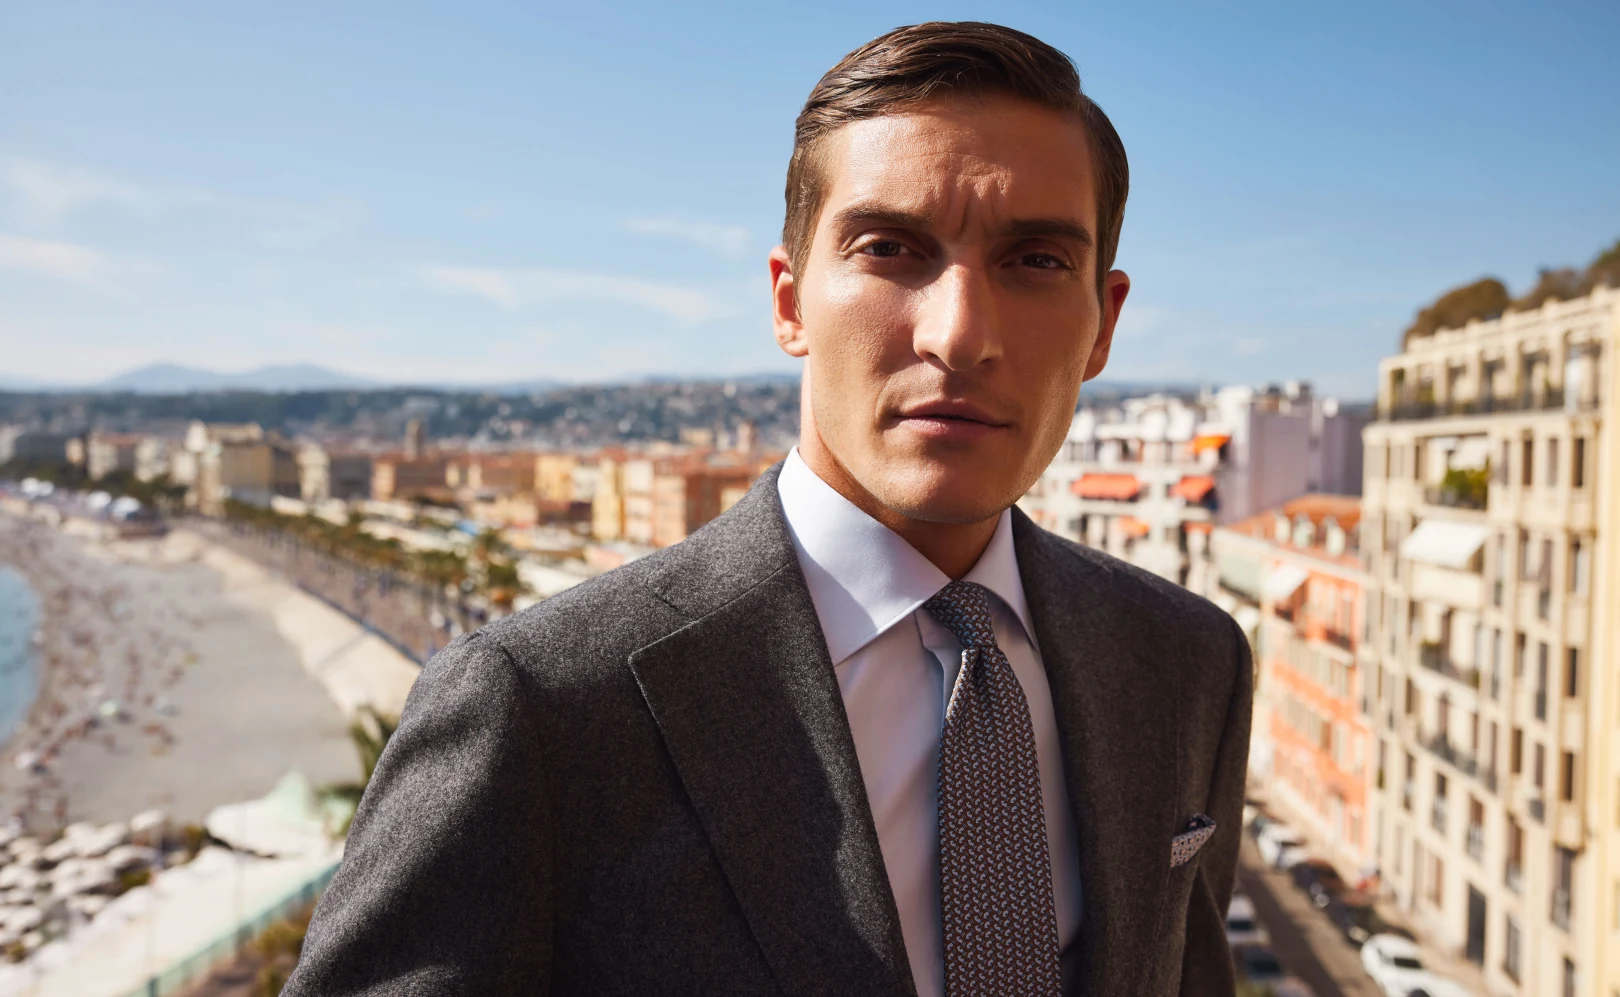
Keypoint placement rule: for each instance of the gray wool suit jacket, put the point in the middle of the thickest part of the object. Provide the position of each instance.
(647, 785)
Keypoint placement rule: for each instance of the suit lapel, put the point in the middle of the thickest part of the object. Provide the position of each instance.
(748, 705)
(1118, 727)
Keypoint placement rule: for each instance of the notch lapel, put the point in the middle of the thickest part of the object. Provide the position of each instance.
(748, 705)
(1118, 726)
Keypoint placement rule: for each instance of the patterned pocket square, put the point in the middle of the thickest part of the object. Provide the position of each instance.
(1186, 844)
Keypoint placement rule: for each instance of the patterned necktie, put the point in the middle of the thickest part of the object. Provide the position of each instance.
(995, 876)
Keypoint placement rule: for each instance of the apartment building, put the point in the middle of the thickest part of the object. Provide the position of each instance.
(1146, 480)
(1489, 495)
(687, 494)
(401, 476)
(1292, 577)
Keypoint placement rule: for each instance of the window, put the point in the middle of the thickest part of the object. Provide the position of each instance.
(1527, 463)
(1516, 752)
(1569, 978)
(1563, 886)
(1579, 567)
(1552, 462)
(1540, 772)
(1572, 672)
(1518, 655)
(1437, 882)
(1566, 776)
(1541, 680)
(1502, 468)
(1524, 556)
(1510, 949)
(1577, 463)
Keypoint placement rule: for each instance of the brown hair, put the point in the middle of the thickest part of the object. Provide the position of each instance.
(912, 64)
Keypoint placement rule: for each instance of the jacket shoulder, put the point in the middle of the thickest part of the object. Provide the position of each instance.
(1162, 601)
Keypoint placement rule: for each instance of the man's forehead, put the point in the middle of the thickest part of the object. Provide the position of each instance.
(1013, 158)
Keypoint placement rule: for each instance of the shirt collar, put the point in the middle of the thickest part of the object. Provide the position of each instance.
(863, 578)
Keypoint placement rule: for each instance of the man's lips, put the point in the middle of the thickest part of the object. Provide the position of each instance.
(951, 420)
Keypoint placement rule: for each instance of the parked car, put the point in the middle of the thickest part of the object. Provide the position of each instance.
(1242, 927)
(1258, 964)
(1318, 878)
(1274, 839)
(1355, 914)
(1395, 964)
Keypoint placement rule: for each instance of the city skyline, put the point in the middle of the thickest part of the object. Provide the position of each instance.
(421, 198)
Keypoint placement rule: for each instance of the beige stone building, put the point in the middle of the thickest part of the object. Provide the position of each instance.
(1488, 530)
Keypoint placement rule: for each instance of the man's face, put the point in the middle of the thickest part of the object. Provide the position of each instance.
(948, 308)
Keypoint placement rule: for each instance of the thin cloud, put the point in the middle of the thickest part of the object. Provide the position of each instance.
(52, 191)
(512, 289)
(62, 260)
(731, 240)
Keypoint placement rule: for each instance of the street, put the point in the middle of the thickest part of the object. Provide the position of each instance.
(1303, 938)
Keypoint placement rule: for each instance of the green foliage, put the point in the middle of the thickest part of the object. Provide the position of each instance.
(1457, 307)
(370, 733)
(1469, 486)
(1554, 285)
(279, 946)
(1488, 297)
(1248, 988)
(135, 877)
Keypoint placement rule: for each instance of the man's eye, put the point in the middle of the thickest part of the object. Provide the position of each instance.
(1042, 261)
(884, 247)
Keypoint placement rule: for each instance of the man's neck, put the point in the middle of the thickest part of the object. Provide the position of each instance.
(953, 548)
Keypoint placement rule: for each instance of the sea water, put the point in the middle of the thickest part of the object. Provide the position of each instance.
(19, 664)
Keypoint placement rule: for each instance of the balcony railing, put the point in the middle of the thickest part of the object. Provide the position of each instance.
(1476, 841)
(1435, 659)
(1455, 499)
(1551, 399)
(1444, 750)
(1513, 877)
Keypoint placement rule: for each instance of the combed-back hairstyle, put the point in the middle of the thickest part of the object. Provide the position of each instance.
(971, 58)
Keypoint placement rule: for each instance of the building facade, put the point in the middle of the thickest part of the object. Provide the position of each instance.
(1145, 480)
(1293, 579)
(1489, 498)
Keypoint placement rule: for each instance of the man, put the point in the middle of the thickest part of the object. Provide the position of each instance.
(871, 731)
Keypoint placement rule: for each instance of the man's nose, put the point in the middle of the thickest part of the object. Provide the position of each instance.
(957, 326)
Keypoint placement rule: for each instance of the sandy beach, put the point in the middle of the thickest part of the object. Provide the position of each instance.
(158, 688)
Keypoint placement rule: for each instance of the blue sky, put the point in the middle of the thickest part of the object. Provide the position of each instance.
(480, 191)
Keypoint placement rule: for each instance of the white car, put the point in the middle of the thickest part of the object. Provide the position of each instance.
(1242, 928)
(1274, 839)
(1395, 964)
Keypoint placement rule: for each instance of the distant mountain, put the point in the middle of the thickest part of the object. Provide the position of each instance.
(174, 379)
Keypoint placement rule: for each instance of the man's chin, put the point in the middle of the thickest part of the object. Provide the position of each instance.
(931, 493)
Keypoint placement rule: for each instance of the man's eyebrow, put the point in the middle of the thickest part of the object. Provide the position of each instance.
(1023, 228)
(1050, 228)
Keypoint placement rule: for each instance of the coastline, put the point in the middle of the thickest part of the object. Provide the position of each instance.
(176, 675)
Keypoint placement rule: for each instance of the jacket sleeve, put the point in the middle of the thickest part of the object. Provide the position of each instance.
(446, 878)
(1206, 967)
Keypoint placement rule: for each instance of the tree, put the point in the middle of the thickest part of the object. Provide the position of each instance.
(1483, 299)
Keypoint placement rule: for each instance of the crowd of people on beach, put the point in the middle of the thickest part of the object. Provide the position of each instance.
(104, 670)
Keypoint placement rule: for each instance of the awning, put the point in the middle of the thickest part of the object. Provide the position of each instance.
(1444, 543)
(1210, 441)
(1132, 527)
(1194, 487)
(1472, 454)
(1120, 487)
(1282, 582)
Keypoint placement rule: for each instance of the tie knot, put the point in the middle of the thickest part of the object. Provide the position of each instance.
(963, 608)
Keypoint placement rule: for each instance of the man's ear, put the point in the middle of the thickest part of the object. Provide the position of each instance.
(785, 306)
(1116, 285)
